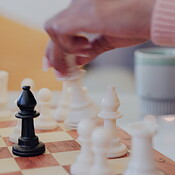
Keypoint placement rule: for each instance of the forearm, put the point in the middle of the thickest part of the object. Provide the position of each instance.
(163, 23)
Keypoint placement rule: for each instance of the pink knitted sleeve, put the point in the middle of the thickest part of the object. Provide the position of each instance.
(163, 23)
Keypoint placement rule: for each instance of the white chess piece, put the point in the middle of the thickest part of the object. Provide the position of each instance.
(109, 113)
(80, 107)
(28, 82)
(101, 139)
(4, 112)
(17, 129)
(142, 158)
(85, 159)
(62, 109)
(16, 132)
(45, 121)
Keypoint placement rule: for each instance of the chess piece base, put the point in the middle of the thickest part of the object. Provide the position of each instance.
(143, 172)
(60, 114)
(46, 125)
(79, 169)
(14, 138)
(101, 171)
(117, 151)
(28, 151)
(78, 114)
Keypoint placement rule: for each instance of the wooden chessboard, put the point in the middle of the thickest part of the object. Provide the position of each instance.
(62, 150)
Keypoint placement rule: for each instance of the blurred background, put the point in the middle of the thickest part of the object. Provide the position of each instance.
(23, 43)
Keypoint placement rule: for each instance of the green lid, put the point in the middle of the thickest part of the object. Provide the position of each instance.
(155, 56)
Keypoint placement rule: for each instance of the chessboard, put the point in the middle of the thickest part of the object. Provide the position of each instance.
(62, 148)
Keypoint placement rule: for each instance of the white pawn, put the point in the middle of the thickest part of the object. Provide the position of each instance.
(85, 158)
(28, 82)
(109, 113)
(101, 139)
(45, 121)
(17, 129)
(61, 111)
(142, 158)
(4, 112)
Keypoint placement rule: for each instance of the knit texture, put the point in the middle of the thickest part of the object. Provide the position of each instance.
(163, 23)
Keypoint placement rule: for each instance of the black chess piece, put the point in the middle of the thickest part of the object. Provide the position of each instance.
(28, 144)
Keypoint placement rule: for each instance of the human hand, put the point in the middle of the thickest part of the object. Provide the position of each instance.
(120, 23)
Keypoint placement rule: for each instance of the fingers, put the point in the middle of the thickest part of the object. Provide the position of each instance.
(55, 57)
(103, 44)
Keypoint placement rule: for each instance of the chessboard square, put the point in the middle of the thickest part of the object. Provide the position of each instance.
(6, 124)
(66, 158)
(54, 136)
(12, 173)
(73, 134)
(119, 165)
(61, 125)
(5, 153)
(67, 168)
(63, 146)
(7, 141)
(56, 170)
(6, 132)
(8, 165)
(2, 143)
(45, 160)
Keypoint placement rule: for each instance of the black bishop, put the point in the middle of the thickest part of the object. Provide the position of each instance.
(28, 144)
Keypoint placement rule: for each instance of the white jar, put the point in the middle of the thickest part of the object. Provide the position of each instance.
(155, 80)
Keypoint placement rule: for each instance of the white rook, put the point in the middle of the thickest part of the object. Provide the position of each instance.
(142, 158)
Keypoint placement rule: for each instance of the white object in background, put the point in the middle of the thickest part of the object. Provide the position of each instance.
(62, 109)
(142, 158)
(109, 113)
(84, 160)
(17, 129)
(81, 106)
(4, 112)
(155, 80)
(45, 121)
(101, 139)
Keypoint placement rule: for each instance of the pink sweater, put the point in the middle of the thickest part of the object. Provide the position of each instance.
(163, 23)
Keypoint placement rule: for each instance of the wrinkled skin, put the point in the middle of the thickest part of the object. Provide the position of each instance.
(120, 23)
